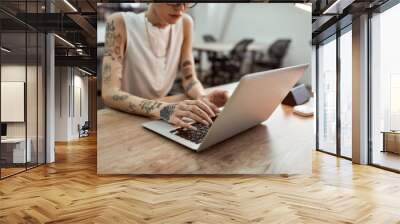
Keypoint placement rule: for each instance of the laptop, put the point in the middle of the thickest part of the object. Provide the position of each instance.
(253, 101)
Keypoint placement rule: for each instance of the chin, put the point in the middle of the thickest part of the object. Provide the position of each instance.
(173, 19)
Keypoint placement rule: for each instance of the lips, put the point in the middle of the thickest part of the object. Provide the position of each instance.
(175, 16)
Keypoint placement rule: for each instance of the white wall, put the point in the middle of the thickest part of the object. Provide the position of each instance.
(15, 72)
(80, 94)
(209, 18)
(62, 80)
(263, 22)
(69, 82)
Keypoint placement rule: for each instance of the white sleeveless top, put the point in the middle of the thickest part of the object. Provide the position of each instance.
(150, 66)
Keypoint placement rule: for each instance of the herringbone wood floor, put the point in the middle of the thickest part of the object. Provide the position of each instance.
(69, 191)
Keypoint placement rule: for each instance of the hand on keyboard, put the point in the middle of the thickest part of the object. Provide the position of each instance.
(195, 136)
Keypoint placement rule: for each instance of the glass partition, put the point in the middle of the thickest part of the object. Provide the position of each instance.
(14, 153)
(31, 98)
(22, 88)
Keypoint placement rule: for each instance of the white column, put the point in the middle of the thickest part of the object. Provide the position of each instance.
(50, 99)
(360, 90)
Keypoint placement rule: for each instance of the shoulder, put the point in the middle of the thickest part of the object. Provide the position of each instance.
(115, 23)
(187, 21)
(115, 18)
(187, 24)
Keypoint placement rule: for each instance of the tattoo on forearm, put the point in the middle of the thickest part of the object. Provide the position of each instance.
(190, 85)
(187, 70)
(147, 106)
(188, 76)
(167, 111)
(132, 107)
(186, 63)
(119, 97)
(106, 72)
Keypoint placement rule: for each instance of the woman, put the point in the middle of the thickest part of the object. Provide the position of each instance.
(143, 53)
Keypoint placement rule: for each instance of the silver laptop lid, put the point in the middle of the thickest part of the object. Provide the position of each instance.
(253, 101)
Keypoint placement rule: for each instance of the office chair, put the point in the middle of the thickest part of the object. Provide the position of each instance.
(209, 38)
(84, 130)
(228, 67)
(274, 55)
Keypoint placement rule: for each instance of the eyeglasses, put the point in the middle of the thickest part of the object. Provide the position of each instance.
(185, 5)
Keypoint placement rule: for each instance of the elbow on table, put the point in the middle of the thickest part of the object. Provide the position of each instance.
(107, 98)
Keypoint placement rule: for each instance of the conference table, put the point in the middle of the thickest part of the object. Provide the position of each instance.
(281, 145)
(225, 47)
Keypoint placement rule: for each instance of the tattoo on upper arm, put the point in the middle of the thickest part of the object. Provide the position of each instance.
(190, 85)
(110, 38)
(118, 97)
(113, 42)
(107, 72)
(167, 111)
(147, 106)
(117, 47)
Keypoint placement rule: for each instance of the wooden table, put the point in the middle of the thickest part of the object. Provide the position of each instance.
(281, 145)
(391, 141)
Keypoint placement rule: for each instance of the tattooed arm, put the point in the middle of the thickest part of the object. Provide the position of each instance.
(191, 84)
(115, 98)
(112, 94)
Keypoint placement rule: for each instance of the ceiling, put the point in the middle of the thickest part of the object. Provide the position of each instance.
(331, 15)
(75, 21)
(72, 20)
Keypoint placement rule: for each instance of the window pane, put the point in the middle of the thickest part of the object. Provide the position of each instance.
(327, 97)
(386, 89)
(346, 94)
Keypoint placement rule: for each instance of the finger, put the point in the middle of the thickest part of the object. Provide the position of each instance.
(204, 106)
(198, 111)
(222, 94)
(194, 117)
(226, 96)
(212, 106)
(208, 117)
(221, 99)
(183, 124)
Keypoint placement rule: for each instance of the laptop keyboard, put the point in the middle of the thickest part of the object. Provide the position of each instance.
(195, 136)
